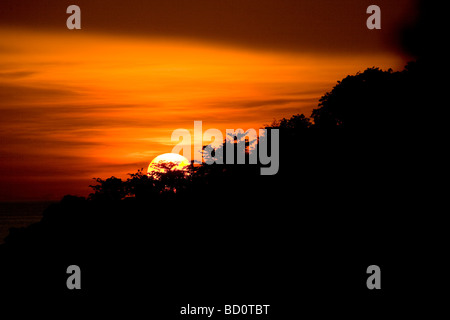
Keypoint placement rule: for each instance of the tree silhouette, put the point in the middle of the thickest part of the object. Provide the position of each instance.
(164, 178)
(168, 177)
(110, 189)
(236, 143)
(142, 186)
(296, 122)
(367, 100)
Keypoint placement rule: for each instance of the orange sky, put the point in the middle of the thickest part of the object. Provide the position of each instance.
(78, 105)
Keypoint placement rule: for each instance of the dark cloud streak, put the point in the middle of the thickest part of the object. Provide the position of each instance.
(290, 25)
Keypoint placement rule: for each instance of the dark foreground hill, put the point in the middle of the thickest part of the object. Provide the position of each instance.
(347, 196)
(298, 240)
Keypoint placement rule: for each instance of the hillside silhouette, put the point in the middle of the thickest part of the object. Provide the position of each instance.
(337, 188)
(343, 197)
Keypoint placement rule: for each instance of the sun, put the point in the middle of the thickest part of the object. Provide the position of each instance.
(180, 162)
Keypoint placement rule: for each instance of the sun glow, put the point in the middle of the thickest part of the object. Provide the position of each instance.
(178, 161)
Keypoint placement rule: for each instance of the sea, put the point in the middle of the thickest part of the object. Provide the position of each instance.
(19, 215)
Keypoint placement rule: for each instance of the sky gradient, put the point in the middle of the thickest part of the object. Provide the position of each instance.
(104, 100)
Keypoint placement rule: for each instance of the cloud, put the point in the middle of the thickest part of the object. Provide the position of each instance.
(17, 94)
(275, 102)
(15, 74)
(291, 25)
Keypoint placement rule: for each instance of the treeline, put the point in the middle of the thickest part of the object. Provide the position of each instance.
(363, 113)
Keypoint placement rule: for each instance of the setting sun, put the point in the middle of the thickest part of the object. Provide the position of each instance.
(178, 161)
